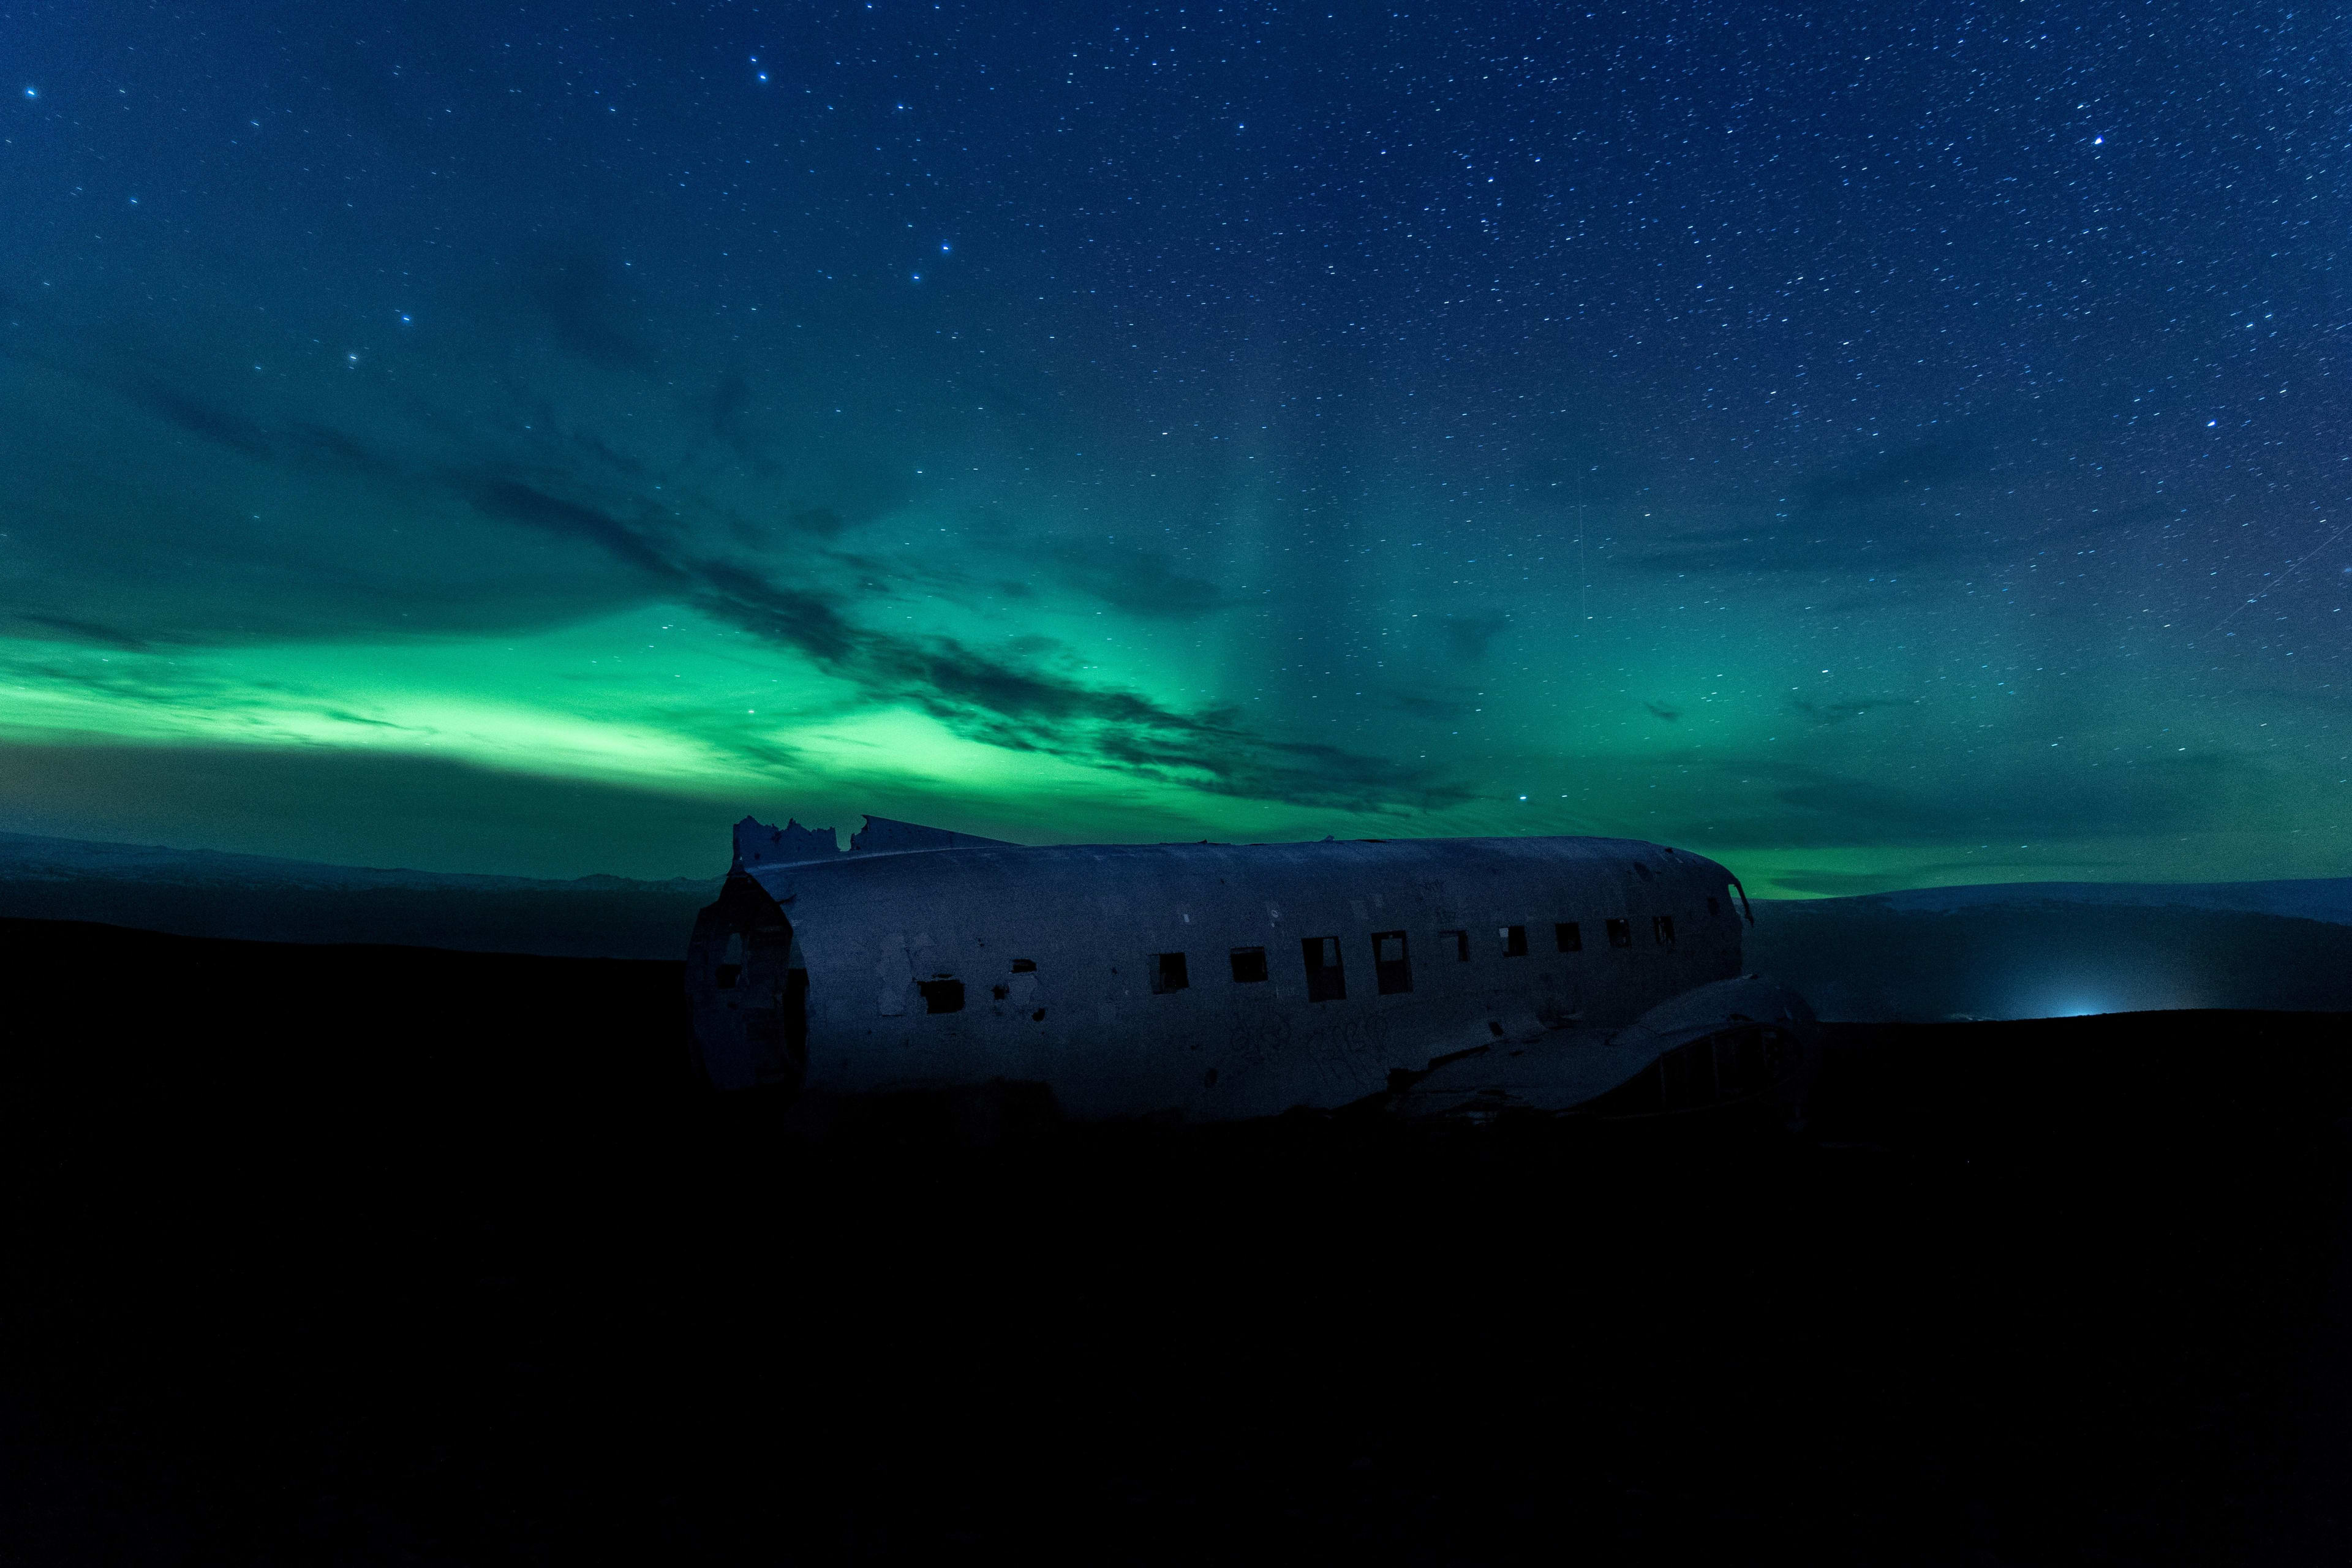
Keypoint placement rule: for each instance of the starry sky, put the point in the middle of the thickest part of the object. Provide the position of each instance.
(1878, 447)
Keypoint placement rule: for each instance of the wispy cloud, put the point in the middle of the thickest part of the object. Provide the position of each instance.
(1929, 508)
(1845, 712)
(1017, 703)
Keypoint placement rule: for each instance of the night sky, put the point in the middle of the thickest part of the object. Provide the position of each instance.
(1875, 446)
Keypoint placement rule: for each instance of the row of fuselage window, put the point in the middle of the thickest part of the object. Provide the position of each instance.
(1326, 963)
(1325, 959)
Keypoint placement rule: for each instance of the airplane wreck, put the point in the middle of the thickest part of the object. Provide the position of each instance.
(1453, 977)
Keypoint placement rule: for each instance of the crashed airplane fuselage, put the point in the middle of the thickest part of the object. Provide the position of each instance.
(1462, 976)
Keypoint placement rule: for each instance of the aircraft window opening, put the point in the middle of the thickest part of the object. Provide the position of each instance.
(1514, 941)
(1662, 930)
(1167, 974)
(1024, 966)
(730, 962)
(943, 994)
(1391, 966)
(1621, 933)
(1326, 981)
(1249, 965)
(1568, 937)
(1713, 905)
(1458, 941)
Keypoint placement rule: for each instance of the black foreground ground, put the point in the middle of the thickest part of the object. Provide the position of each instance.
(378, 1255)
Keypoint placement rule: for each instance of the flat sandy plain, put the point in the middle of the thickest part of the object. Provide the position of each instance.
(388, 1255)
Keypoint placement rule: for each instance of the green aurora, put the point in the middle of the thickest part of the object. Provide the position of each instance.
(448, 490)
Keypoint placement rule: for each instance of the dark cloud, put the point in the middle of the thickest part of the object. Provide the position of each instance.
(2002, 799)
(1467, 637)
(73, 629)
(580, 295)
(132, 681)
(299, 443)
(1843, 713)
(1872, 523)
(1904, 474)
(727, 401)
(1942, 873)
(320, 446)
(1140, 581)
(1812, 545)
(515, 501)
(1848, 884)
(252, 527)
(1433, 709)
(1847, 520)
(204, 420)
(989, 697)
(611, 456)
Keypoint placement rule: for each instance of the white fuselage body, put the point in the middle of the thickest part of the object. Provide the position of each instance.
(1059, 954)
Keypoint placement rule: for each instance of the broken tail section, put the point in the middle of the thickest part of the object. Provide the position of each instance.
(757, 844)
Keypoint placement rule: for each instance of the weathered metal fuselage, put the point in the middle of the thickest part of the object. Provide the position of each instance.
(1214, 981)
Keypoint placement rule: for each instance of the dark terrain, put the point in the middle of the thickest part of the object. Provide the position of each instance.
(360, 1255)
(265, 898)
(1857, 958)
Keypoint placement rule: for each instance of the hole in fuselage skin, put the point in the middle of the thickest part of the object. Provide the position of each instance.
(1209, 1079)
(944, 995)
(1000, 992)
(1038, 1016)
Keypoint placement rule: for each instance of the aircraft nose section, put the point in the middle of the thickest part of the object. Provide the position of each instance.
(747, 992)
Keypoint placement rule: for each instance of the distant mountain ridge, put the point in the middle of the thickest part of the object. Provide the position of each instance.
(2036, 949)
(2002, 951)
(266, 898)
(2327, 899)
(25, 857)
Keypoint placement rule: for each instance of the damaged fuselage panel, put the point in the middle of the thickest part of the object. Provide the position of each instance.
(1445, 976)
